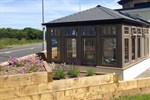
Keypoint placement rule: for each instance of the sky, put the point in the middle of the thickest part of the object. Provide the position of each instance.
(28, 13)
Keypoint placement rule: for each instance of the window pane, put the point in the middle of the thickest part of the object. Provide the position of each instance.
(143, 46)
(70, 32)
(55, 32)
(71, 48)
(126, 30)
(109, 51)
(88, 31)
(89, 49)
(139, 31)
(55, 49)
(134, 31)
(109, 30)
(133, 48)
(126, 48)
(139, 47)
(147, 45)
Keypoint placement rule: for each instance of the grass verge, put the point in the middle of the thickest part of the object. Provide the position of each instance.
(11, 42)
(134, 97)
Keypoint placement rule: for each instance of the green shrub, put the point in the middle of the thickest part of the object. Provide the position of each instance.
(59, 74)
(19, 64)
(33, 68)
(1, 68)
(74, 71)
(90, 72)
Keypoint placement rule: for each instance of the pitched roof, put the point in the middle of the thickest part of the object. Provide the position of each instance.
(98, 13)
(123, 1)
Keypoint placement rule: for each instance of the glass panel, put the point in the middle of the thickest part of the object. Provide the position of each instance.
(55, 32)
(143, 46)
(71, 48)
(126, 30)
(55, 48)
(88, 31)
(147, 45)
(139, 31)
(134, 32)
(139, 47)
(126, 48)
(109, 51)
(89, 49)
(109, 30)
(133, 48)
(70, 32)
(113, 30)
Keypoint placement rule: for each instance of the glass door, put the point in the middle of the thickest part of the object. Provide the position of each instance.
(89, 56)
(71, 49)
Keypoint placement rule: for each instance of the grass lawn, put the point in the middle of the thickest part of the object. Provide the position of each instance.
(134, 97)
(10, 42)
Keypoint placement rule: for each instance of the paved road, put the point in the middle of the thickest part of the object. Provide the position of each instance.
(19, 51)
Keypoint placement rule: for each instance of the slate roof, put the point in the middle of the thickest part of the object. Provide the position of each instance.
(123, 1)
(98, 13)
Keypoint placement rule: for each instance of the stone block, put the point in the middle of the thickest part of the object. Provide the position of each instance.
(145, 90)
(122, 85)
(107, 96)
(45, 87)
(94, 88)
(60, 94)
(48, 96)
(132, 84)
(9, 93)
(39, 77)
(28, 90)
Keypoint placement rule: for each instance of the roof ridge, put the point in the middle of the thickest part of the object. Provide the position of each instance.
(108, 12)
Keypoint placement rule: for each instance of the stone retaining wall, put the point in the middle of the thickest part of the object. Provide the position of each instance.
(18, 86)
(85, 88)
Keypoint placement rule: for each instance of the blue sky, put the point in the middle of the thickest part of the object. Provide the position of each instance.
(27, 13)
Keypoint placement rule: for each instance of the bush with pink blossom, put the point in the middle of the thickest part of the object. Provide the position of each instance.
(28, 65)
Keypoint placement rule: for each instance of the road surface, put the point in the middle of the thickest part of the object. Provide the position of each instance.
(19, 51)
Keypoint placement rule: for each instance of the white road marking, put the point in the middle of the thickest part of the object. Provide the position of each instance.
(18, 50)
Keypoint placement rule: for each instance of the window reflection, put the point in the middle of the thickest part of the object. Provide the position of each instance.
(88, 31)
(133, 48)
(89, 49)
(109, 30)
(56, 49)
(139, 47)
(126, 48)
(109, 51)
(70, 32)
(71, 48)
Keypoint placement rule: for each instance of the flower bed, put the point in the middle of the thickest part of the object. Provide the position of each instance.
(15, 65)
(63, 71)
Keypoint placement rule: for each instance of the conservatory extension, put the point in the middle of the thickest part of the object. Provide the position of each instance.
(98, 37)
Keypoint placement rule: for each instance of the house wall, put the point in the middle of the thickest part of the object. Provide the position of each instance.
(136, 70)
(131, 3)
(144, 13)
